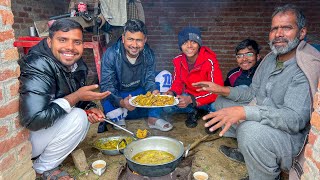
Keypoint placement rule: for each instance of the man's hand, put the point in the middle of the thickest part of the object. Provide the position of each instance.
(125, 103)
(184, 101)
(226, 116)
(168, 93)
(86, 93)
(156, 92)
(212, 87)
(95, 115)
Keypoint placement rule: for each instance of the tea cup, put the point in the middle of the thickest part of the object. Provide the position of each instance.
(99, 167)
(199, 175)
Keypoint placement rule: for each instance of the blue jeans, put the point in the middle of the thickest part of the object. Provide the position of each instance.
(138, 112)
(135, 114)
(189, 108)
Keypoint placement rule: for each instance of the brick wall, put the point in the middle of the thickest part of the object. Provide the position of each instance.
(26, 12)
(223, 25)
(15, 149)
(312, 153)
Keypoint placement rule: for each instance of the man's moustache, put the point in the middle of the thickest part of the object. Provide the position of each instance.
(279, 40)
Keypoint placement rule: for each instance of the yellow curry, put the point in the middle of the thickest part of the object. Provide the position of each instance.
(153, 157)
(153, 100)
(112, 144)
(142, 133)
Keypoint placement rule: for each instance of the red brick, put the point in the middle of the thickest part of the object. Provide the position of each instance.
(308, 151)
(23, 14)
(306, 168)
(3, 131)
(11, 54)
(7, 162)
(10, 108)
(6, 35)
(8, 73)
(312, 138)
(1, 95)
(8, 144)
(6, 3)
(14, 88)
(17, 20)
(7, 17)
(315, 120)
(318, 165)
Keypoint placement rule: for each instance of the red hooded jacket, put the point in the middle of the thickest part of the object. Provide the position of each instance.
(206, 68)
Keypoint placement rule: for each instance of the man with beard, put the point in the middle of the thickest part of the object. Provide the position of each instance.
(53, 96)
(128, 69)
(271, 129)
(248, 59)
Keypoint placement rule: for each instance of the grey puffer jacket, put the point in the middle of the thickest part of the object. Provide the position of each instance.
(111, 71)
(42, 80)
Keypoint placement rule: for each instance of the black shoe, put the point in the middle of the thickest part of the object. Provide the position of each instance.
(232, 153)
(192, 119)
(102, 127)
(201, 113)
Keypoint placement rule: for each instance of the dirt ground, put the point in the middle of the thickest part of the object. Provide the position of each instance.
(207, 157)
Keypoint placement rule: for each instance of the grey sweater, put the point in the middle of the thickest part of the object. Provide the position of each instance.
(283, 97)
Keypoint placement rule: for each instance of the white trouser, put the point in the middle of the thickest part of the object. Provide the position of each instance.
(58, 141)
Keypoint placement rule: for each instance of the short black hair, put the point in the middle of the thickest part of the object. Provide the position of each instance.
(301, 18)
(64, 25)
(247, 43)
(135, 25)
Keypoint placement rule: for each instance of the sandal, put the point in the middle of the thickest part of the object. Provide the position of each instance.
(160, 125)
(55, 174)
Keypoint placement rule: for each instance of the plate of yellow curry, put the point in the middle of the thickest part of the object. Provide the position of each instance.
(153, 101)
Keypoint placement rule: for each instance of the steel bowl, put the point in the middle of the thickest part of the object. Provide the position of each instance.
(163, 143)
(110, 138)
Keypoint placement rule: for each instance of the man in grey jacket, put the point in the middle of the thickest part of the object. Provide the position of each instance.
(270, 119)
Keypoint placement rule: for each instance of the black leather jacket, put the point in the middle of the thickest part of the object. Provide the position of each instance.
(42, 80)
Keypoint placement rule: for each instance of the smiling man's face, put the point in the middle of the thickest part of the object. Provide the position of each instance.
(247, 58)
(284, 34)
(134, 43)
(67, 47)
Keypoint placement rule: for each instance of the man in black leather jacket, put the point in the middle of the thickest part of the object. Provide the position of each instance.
(53, 96)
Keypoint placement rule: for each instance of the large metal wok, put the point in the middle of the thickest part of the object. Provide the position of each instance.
(167, 144)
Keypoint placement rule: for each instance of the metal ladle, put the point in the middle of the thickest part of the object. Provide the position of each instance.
(120, 127)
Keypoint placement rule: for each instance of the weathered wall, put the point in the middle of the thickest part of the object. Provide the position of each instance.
(15, 149)
(26, 12)
(223, 24)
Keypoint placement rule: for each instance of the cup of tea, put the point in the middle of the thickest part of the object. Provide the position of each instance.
(99, 167)
(199, 175)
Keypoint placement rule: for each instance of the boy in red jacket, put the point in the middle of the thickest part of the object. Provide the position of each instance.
(196, 63)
